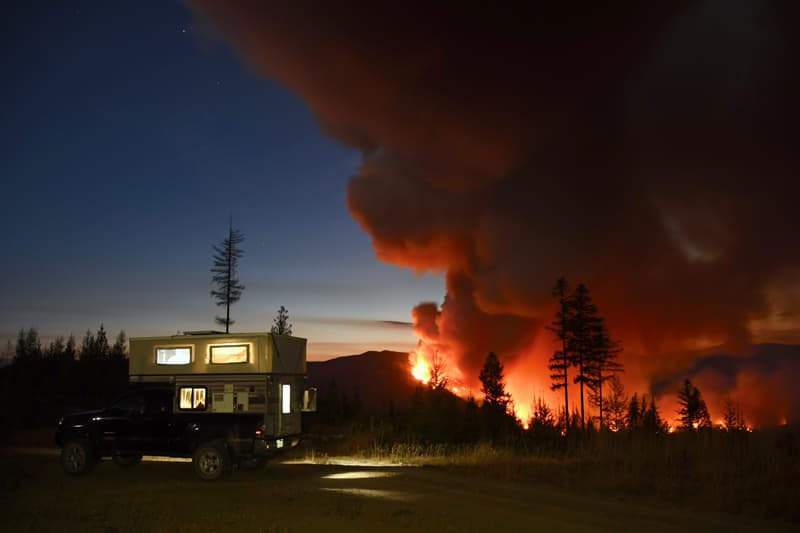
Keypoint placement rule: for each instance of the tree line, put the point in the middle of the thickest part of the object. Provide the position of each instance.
(44, 381)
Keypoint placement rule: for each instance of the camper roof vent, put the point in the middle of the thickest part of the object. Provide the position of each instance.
(204, 332)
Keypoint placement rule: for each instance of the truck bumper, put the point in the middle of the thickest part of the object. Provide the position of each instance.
(269, 447)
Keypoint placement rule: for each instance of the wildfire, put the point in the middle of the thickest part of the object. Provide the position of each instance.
(420, 369)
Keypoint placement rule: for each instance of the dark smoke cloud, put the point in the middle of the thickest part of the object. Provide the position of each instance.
(648, 149)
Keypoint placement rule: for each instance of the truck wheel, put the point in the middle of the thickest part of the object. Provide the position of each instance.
(126, 460)
(76, 457)
(211, 461)
(252, 463)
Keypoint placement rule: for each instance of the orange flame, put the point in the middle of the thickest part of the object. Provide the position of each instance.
(420, 368)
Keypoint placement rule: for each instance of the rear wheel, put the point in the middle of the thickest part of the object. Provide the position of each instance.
(76, 457)
(211, 461)
(126, 460)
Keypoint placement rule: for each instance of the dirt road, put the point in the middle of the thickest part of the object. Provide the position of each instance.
(165, 496)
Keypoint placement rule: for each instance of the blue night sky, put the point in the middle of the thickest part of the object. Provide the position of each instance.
(128, 138)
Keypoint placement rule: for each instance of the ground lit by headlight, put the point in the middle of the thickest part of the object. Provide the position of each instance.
(360, 474)
(373, 493)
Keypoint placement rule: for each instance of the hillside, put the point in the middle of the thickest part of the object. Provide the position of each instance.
(377, 376)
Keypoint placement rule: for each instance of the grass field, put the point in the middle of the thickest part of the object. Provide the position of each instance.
(483, 493)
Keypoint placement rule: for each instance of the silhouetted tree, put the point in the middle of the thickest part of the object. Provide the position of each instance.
(693, 411)
(560, 360)
(438, 369)
(496, 400)
(633, 418)
(651, 418)
(228, 289)
(732, 419)
(29, 347)
(101, 343)
(471, 428)
(70, 351)
(493, 384)
(616, 404)
(542, 425)
(87, 346)
(281, 326)
(580, 339)
(601, 364)
(95, 347)
(120, 349)
(55, 350)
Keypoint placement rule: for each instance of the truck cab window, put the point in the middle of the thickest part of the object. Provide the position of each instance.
(130, 405)
(193, 399)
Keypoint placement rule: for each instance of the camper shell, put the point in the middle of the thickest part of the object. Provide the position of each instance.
(254, 373)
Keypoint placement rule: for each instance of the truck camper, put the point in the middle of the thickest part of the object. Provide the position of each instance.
(223, 399)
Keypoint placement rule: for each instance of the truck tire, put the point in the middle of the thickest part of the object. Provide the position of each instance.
(211, 461)
(125, 461)
(76, 457)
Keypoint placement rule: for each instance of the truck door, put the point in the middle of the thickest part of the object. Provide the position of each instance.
(156, 424)
(118, 424)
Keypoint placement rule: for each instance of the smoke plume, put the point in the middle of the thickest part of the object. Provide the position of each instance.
(646, 149)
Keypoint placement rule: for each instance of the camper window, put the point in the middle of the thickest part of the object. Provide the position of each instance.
(174, 356)
(230, 353)
(193, 399)
(286, 398)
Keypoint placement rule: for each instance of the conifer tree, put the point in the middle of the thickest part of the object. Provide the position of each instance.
(602, 364)
(496, 401)
(493, 383)
(616, 404)
(120, 349)
(281, 326)
(438, 370)
(560, 360)
(87, 346)
(732, 419)
(693, 410)
(634, 416)
(228, 289)
(102, 349)
(55, 350)
(70, 352)
(29, 347)
(584, 315)
(651, 418)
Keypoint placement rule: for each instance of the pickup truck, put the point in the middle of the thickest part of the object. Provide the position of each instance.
(143, 422)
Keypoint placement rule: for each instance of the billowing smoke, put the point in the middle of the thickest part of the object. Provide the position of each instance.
(648, 149)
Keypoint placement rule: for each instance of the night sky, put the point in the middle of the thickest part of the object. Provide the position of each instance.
(128, 138)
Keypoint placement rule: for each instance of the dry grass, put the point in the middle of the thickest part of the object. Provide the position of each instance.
(755, 474)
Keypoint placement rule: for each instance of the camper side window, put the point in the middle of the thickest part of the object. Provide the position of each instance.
(230, 353)
(174, 356)
(193, 399)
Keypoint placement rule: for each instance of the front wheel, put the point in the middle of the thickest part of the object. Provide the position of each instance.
(76, 457)
(211, 461)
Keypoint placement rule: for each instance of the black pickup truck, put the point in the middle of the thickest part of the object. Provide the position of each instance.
(142, 422)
